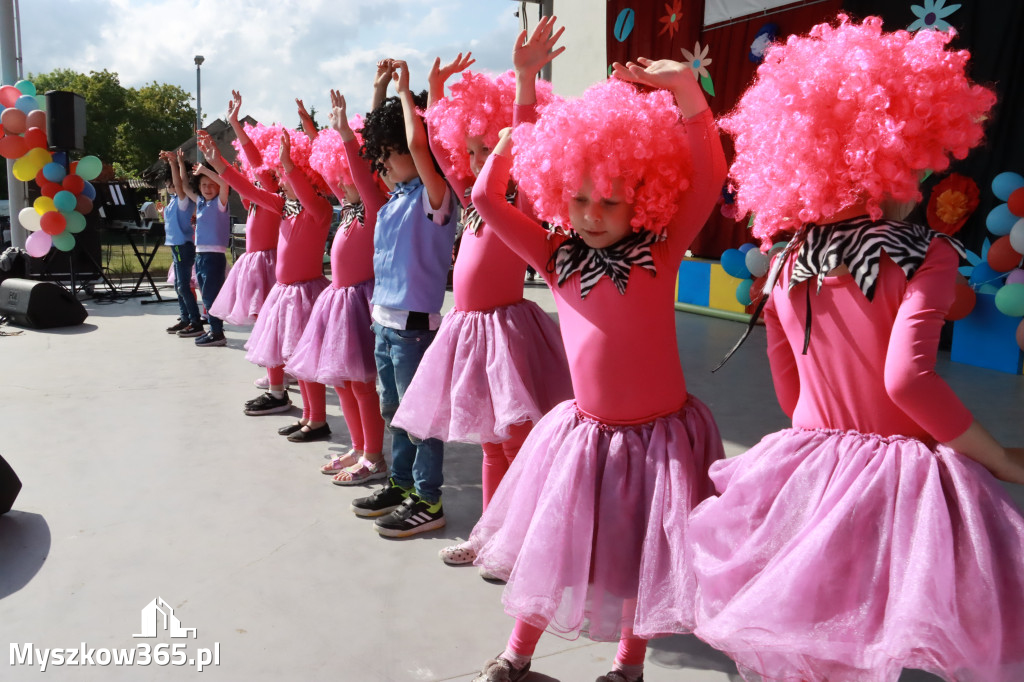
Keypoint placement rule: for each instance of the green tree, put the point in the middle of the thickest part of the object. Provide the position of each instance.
(105, 102)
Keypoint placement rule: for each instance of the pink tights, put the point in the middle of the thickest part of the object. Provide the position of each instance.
(523, 642)
(361, 407)
(498, 457)
(276, 375)
(314, 401)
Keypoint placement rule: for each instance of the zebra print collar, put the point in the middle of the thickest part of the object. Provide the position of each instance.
(615, 261)
(292, 207)
(858, 244)
(350, 213)
(471, 220)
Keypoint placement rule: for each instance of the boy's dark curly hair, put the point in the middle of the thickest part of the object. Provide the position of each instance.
(384, 130)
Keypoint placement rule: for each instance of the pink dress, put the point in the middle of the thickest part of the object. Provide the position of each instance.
(337, 344)
(497, 360)
(852, 546)
(589, 523)
(251, 276)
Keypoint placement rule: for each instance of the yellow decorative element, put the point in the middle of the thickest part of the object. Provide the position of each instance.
(951, 206)
(722, 295)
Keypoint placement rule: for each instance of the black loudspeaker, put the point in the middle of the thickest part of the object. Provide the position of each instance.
(65, 120)
(40, 305)
(10, 486)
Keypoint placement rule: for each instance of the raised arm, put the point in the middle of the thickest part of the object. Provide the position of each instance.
(183, 174)
(526, 237)
(439, 75)
(416, 136)
(232, 178)
(308, 126)
(172, 163)
(311, 201)
(362, 176)
(385, 72)
(199, 169)
(529, 56)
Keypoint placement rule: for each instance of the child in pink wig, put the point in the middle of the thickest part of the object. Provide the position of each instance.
(497, 364)
(253, 275)
(872, 536)
(336, 347)
(588, 524)
(306, 217)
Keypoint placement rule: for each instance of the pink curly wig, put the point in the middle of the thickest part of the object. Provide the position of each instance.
(612, 131)
(328, 154)
(301, 148)
(849, 115)
(479, 104)
(260, 136)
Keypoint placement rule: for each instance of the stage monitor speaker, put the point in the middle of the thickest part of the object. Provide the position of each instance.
(10, 486)
(40, 305)
(65, 120)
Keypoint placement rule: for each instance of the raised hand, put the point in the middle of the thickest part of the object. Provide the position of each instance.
(529, 56)
(286, 153)
(338, 116)
(441, 74)
(667, 74)
(385, 69)
(234, 106)
(400, 75)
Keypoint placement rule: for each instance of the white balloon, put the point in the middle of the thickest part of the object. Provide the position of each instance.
(29, 219)
(756, 262)
(1017, 237)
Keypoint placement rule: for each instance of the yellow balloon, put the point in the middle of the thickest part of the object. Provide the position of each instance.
(40, 157)
(23, 169)
(43, 205)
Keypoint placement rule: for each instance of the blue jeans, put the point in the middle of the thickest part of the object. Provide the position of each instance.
(210, 269)
(184, 256)
(413, 463)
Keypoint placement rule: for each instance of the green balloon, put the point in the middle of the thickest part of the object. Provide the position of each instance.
(89, 167)
(75, 221)
(64, 241)
(1010, 300)
(26, 87)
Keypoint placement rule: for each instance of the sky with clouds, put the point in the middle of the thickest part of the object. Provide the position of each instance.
(271, 51)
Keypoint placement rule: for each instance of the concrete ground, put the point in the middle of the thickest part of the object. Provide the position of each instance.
(143, 479)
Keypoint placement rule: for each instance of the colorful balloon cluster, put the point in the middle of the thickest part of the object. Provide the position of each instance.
(1005, 255)
(750, 265)
(59, 214)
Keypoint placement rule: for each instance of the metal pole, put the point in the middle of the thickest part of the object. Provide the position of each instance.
(199, 105)
(9, 59)
(547, 9)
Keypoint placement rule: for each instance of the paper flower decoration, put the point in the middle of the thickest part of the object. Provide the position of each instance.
(952, 202)
(673, 14)
(932, 15)
(699, 61)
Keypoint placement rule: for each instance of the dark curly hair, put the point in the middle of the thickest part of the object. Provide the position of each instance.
(383, 130)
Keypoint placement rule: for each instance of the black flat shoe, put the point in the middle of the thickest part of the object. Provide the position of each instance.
(319, 433)
(290, 429)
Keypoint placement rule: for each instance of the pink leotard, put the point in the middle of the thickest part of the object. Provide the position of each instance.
(621, 348)
(261, 225)
(870, 366)
(488, 274)
(352, 249)
(300, 243)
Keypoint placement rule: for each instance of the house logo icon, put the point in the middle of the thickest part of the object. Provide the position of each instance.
(158, 614)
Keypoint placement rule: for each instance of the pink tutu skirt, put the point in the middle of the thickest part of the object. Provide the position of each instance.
(589, 523)
(282, 321)
(844, 556)
(246, 287)
(337, 345)
(484, 372)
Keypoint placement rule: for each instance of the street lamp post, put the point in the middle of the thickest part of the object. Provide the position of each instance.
(199, 59)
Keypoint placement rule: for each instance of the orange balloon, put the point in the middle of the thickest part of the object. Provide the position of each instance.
(13, 120)
(964, 302)
(12, 146)
(36, 119)
(1001, 255)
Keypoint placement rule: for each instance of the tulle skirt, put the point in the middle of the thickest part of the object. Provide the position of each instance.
(848, 557)
(246, 288)
(282, 321)
(589, 524)
(337, 344)
(484, 372)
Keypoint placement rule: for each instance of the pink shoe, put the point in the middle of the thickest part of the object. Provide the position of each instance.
(340, 463)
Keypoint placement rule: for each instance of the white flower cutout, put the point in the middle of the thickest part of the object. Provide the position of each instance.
(698, 59)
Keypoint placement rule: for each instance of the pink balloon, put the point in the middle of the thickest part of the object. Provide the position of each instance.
(13, 120)
(1015, 277)
(9, 95)
(38, 243)
(36, 119)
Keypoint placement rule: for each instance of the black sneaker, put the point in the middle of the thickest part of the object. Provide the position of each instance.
(414, 516)
(268, 404)
(212, 339)
(191, 330)
(383, 501)
(177, 327)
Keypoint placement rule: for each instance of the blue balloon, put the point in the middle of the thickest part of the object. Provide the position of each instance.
(89, 191)
(983, 273)
(743, 292)
(65, 201)
(734, 263)
(746, 247)
(1000, 221)
(54, 172)
(27, 103)
(61, 158)
(1004, 184)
